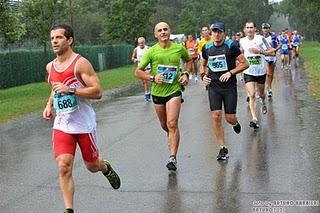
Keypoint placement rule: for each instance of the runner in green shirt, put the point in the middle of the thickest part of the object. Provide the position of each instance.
(167, 82)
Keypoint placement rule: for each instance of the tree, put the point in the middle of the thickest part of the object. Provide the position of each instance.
(89, 18)
(40, 15)
(127, 20)
(189, 23)
(302, 15)
(11, 28)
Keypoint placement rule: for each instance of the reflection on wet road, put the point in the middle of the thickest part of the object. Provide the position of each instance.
(280, 162)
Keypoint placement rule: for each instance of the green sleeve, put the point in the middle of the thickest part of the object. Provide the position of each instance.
(184, 55)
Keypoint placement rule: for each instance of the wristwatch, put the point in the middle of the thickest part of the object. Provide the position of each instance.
(151, 78)
(72, 90)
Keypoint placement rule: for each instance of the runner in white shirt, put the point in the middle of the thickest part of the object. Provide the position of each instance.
(136, 57)
(255, 48)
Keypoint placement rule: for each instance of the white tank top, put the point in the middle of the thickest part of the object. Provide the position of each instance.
(81, 120)
(256, 61)
(140, 53)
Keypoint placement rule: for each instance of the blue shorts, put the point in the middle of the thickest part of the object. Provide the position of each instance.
(285, 52)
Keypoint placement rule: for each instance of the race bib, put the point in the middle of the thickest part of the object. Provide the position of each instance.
(64, 103)
(255, 60)
(217, 63)
(169, 73)
(284, 46)
(256, 64)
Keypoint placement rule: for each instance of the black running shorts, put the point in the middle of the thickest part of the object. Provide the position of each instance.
(227, 96)
(164, 100)
(261, 79)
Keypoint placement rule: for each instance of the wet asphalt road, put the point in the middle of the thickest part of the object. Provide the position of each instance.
(275, 166)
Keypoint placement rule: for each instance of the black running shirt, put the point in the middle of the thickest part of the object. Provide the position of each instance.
(221, 59)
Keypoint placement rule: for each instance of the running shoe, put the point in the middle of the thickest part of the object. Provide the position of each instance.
(248, 99)
(269, 93)
(147, 96)
(264, 109)
(223, 154)
(68, 211)
(254, 124)
(112, 176)
(237, 128)
(196, 79)
(172, 163)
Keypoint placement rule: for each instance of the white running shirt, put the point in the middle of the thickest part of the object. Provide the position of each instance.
(256, 61)
(140, 53)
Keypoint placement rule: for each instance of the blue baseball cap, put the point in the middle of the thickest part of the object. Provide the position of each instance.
(218, 26)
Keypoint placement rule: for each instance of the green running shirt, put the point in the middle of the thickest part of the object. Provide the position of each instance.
(166, 60)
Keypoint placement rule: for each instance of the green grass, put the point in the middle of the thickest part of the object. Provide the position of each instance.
(310, 51)
(22, 100)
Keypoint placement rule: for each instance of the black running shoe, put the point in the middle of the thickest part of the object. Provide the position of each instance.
(237, 127)
(223, 154)
(68, 211)
(254, 124)
(112, 176)
(172, 163)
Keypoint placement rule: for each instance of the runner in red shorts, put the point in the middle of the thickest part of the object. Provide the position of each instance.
(74, 83)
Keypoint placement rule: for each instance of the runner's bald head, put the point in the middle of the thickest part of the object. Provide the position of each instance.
(161, 24)
(141, 40)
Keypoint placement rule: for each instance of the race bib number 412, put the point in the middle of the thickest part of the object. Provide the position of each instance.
(168, 72)
(217, 63)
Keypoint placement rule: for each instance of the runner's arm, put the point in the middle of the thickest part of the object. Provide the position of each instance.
(203, 68)
(48, 110)
(242, 65)
(89, 78)
(141, 74)
(134, 55)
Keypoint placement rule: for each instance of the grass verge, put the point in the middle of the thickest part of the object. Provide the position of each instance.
(22, 100)
(310, 51)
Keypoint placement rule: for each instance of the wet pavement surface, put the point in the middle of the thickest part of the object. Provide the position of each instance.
(277, 166)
